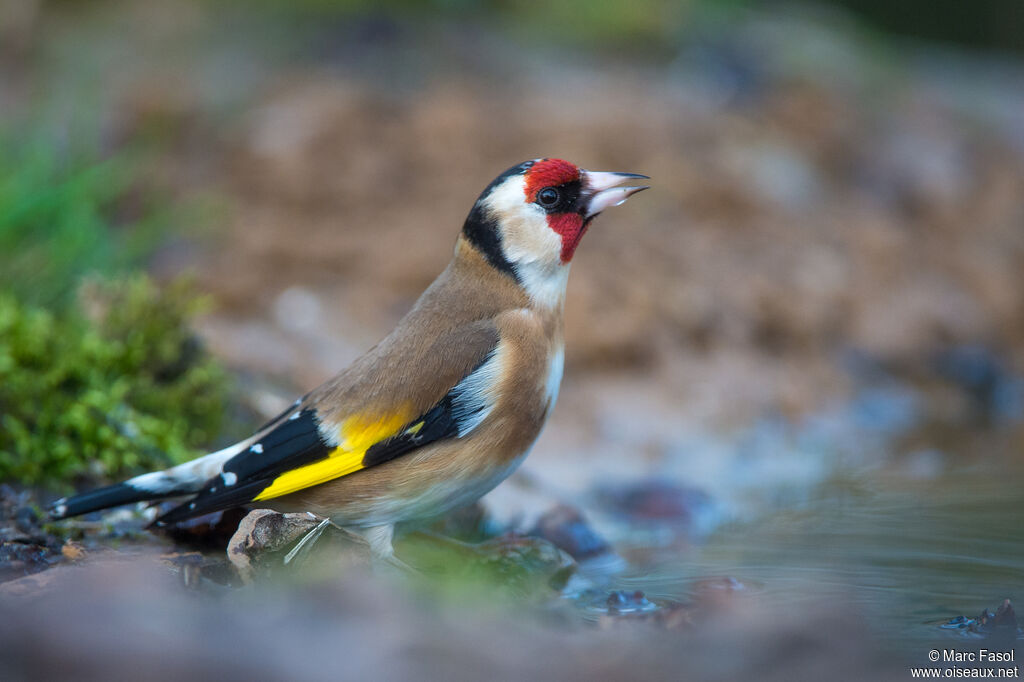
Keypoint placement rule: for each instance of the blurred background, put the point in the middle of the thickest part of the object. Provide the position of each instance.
(795, 366)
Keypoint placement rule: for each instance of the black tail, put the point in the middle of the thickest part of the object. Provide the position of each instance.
(103, 498)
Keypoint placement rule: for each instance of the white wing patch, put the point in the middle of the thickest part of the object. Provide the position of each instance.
(474, 397)
(554, 377)
(187, 477)
(193, 475)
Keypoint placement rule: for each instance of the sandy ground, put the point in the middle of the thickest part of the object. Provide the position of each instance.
(119, 620)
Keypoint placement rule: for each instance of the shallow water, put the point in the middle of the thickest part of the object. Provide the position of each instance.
(907, 553)
(903, 502)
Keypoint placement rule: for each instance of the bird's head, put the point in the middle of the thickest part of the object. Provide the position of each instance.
(530, 219)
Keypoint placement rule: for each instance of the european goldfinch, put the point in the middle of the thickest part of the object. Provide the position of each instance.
(439, 412)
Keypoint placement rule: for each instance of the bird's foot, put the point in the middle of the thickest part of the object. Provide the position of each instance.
(303, 546)
(382, 552)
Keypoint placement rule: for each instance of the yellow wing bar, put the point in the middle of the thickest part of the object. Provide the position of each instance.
(356, 435)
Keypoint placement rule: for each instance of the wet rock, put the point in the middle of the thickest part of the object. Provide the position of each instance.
(669, 615)
(522, 563)
(669, 512)
(567, 529)
(202, 571)
(673, 616)
(189, 564)
(1000, 627)
(621, 601)
(623, 607)
(1005, 617)
(711, 598)
(262, 534)
(509, 564)
(655, 500)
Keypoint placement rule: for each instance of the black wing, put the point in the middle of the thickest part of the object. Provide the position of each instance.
(296, 441)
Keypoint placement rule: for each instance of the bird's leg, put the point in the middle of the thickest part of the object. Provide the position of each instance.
(379, 539)
(381, 550)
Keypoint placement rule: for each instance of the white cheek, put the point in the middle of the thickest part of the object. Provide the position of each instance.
(529, 243)
(525, 234)
(530, 240)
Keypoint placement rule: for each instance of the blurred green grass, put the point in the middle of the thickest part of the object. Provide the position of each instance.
(656, 25)
(66, 214)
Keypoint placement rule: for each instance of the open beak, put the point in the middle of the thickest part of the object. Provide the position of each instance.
(601, 190)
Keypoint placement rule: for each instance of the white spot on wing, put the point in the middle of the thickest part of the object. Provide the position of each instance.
(156, 482)
(295, 415)
(229, 477)
(190, 476)
(257, 449)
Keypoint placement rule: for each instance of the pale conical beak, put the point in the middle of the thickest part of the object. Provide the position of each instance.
(601, 190)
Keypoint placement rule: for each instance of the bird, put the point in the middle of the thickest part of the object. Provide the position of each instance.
(441, 410)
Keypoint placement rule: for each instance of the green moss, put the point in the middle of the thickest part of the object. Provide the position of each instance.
(100, 396)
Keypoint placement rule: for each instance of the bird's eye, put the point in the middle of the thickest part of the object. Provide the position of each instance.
(548, 197)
